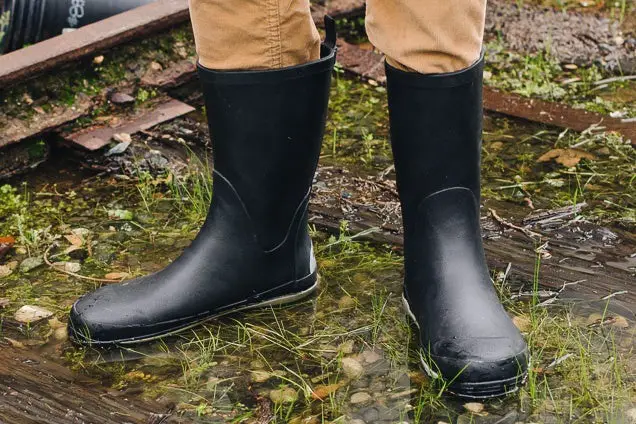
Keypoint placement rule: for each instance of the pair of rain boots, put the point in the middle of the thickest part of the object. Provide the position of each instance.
(254, 247)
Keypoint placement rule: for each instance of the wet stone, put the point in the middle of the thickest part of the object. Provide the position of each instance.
(352, 368)
(104, 252)
(30, 264)
(361, 398)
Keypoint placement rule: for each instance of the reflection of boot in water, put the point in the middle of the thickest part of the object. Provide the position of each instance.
(465, 333)
(254, 248)
(29, 21)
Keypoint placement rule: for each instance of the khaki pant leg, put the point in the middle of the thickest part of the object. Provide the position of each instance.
(427, 36)
(254, 34)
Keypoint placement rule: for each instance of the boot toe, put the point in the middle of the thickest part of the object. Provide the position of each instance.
(109, 315)
(479, 367)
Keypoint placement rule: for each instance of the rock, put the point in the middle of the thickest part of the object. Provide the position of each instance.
(30, 264)
(370, 356)
(122, 138)
(346, 347)
(5, 271)
(122, 98)
(361, 398)
(104, 252)
(352, 368)
(357, 421)
(156, 161)
(61, 334)
(98, 60)
(73, 267)
(118, 149)
(4, 302)
(630, 414)
(284, 395)
(29, 313)
(346, 302)
(474, 407)
(259, 376)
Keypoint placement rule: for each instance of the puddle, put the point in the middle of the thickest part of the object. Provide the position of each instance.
(347, 355)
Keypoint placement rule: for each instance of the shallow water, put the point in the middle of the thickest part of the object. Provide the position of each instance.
(347, 353)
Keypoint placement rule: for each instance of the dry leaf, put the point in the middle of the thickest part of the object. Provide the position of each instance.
(74, 239)
(321, 392)
(116, 275)
(566, 157)
(6, 243)
(522, 323)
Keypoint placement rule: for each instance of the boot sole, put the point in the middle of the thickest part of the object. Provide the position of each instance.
(277, 301)
(479, 390)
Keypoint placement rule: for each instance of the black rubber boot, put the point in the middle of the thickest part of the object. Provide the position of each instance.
(254, 248)
(466, 336)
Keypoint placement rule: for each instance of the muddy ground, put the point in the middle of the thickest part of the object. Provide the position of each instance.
(558, 221)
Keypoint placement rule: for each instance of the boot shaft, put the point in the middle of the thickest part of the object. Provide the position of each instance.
(267, 129)
(436, 125)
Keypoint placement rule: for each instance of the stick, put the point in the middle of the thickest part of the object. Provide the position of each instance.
(99, 280)
(505, 223)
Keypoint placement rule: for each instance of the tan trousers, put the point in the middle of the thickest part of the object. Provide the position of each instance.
(426, 36)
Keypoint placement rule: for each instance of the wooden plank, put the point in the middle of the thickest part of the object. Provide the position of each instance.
(370, 65)
(46, 55)
(36, 390)
(591, 263)
(18, 129)
(94, 138)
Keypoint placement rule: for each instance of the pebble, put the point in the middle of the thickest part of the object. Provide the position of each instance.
(284, 395)
(121, 98)
(30, 264)
(370, 356)
(30, 313)
(346, 302)
(361, 398)
(352, 368)
(259, 376)
(474, 407)
(73, 267)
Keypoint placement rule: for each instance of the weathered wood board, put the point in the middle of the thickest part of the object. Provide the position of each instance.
(36, 390)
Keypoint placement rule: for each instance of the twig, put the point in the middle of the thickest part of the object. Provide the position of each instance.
(505, 223)
(63, 271)
(614, 79)
(609, 296)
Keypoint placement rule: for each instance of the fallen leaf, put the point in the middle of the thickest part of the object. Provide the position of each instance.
(6, 243)
(117, 276)
(566, 157)
(522, 323)
(321, 392)
(30, 313)
(74, 239)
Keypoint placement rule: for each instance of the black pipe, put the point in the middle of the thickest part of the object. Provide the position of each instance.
(29, 21)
